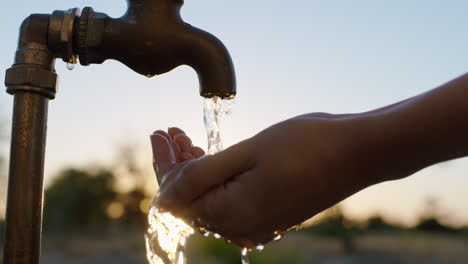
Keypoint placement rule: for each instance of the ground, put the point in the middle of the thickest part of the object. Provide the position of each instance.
(294, 248)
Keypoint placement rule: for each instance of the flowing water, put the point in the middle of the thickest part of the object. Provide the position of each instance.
(167, 235)
(213, 110)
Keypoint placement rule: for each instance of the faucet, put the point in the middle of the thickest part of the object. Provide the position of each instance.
(151, 39)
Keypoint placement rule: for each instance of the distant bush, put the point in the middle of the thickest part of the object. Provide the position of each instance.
(336, 225)
(433, 225)
(377, 223)
(77, 200)
(222, 252)
(219, 250)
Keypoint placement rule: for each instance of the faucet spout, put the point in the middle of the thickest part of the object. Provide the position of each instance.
(152, 39)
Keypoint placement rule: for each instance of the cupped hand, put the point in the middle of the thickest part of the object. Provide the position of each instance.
(270, 182)
(170, 150)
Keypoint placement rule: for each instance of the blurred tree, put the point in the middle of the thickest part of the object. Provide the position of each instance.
(136, 184)
(134, 214)
(433, 225)
(133, 168)
(77, 200)
(429, 220)
(338, 226)
(377, 223)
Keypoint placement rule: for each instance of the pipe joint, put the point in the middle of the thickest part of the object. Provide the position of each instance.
(62, 34)
(31, 79)
(92, 26)
(33, 69)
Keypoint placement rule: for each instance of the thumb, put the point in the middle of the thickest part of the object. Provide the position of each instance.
(163, 156)
(200, 176)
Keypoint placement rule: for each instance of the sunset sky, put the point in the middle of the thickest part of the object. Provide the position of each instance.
(291, 57)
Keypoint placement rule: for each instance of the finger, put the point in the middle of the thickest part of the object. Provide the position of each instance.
(199, 176)
(184, 142)
(197, 152)
(162, 133)
(163, 155)
(185, 156)
(173, 131)
(177, 150)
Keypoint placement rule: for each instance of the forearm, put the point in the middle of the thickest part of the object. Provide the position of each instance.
(419, 132)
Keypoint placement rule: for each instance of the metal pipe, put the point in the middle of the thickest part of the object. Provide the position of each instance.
(25, 184)
(32, 81)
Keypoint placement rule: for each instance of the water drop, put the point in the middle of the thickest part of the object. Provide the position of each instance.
(244, 256)
(217, 236)
(202, 230)
(228, 241)
(260, 248)
(206, 234)
(278, 235)
(70, 66)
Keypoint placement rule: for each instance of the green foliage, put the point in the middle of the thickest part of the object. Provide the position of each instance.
(77, 200)
(133, 216)
(273, 256)
(336, 225)
(219, 250)
(231, 254)
(433, 225)
(378, 224)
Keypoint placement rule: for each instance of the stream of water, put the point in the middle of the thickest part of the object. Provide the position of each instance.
(167, 235)
(213, 110)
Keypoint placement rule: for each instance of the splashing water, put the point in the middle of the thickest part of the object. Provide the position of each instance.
(244, 256)
(166, 238)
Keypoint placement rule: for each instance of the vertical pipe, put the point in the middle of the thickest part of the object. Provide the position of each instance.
(25, 184)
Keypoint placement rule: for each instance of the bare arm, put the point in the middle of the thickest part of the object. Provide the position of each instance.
(419, 132)
(299, 167)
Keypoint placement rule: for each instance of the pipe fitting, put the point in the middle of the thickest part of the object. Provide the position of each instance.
(33, 69)
(31, 79)
(61, 34)
(92, 26)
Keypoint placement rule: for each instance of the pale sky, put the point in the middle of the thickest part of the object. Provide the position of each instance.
(291, 57)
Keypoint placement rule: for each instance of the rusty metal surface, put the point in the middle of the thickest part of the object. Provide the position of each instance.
(25, 184)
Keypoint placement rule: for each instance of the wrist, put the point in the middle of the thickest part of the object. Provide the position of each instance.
(380, 149)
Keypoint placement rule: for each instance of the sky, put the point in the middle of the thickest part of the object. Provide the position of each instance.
(291, 57)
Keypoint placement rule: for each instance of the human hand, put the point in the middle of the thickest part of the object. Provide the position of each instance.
(170, 150)
(273, 181)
